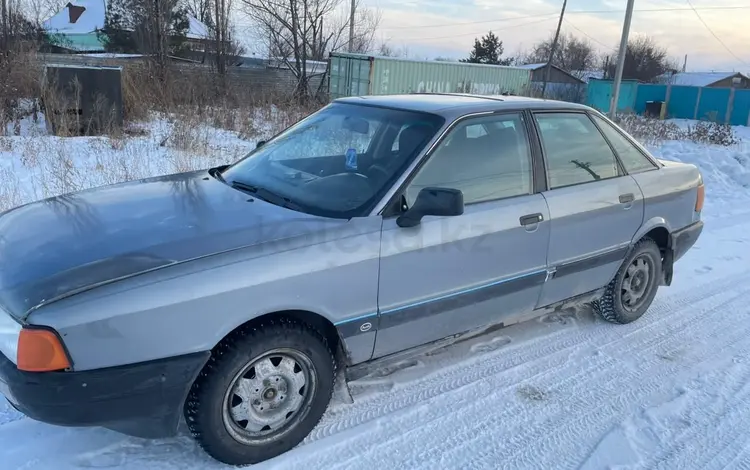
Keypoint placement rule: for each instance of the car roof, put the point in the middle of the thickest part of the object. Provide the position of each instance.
(457, 103)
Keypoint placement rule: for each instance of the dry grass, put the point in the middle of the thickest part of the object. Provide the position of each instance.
(653, 131)
(19, 79)
(38, 166)
(187, 120)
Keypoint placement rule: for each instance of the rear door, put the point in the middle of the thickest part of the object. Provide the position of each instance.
(595, 208)
(448, 275)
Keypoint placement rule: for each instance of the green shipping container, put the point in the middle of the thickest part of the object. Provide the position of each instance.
(358, 74)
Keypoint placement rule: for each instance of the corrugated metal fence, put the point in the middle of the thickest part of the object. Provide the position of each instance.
(359, 74)
(723, 105)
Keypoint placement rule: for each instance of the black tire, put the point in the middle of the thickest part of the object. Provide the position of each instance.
(208, 409)
(616, 304)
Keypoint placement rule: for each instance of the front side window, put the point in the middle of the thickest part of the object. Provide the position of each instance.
(575, 150)
(486, 158)
(337, 162)
(632, 158)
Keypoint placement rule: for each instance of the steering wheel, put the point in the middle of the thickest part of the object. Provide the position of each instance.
(383, 173)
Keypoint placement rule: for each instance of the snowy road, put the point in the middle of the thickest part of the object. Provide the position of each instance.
(571, 391)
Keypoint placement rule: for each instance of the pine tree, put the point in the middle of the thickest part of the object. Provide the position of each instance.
(155, 27)
(488, 50)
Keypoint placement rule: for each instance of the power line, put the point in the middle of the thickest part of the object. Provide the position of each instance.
(496, 20)
(480, 32)
(641, 10)
(588, 35)
(714, 34)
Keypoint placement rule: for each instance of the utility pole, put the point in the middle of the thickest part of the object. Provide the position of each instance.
(621, 58)
(351, 25)
(552, 49)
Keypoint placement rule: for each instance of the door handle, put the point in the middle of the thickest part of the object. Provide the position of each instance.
(627, 198)
(531, 219)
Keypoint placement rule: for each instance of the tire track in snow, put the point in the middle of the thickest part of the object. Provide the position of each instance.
(670, 304)
(617, 399)
(716, 422)
(558, 427)
(599, 369)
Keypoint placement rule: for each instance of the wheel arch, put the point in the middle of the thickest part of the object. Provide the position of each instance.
(658, 230)
(654, 227)
(314, 320)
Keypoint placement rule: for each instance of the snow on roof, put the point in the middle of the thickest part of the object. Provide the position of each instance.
(531, 66)
(587, 75)
(699, 78)
(112, 55)
(196, 30)
(92, 19)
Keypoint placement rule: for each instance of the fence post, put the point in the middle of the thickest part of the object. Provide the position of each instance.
(697, 103)
(730, 106)
(666, 101)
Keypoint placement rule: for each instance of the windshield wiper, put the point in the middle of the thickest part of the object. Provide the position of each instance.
(216, 173)
(266, 195)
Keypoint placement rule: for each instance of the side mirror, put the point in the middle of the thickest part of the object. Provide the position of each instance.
(433, 201)
(260, 144)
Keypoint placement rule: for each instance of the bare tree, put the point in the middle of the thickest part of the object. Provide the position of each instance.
(4, 24)
(645, 60)
(366, 23)
(202, 10)
(298, 31)
(153, 27)
(19, 37)
(387, 50)
(572, 54)
(221, 33)
(37, 11)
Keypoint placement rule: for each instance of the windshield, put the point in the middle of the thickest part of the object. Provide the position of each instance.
(337, 162)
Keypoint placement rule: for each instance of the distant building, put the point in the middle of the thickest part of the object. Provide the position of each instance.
(707, 79)
(562, 85)
(556, 74)
(74, 28)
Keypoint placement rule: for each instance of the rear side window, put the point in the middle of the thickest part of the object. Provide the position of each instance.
(632, 158)
(575, 150)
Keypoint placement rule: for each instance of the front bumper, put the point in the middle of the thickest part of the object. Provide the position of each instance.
(684, 239)
(142, 400)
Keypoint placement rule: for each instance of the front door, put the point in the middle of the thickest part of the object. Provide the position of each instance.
(594, 207)
(451, 274)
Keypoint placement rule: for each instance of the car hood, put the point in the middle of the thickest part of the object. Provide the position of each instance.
(58, 246)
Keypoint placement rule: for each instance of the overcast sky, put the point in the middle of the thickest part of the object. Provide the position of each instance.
(430, 28)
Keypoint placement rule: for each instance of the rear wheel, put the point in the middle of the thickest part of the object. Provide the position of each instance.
(634, 287)
(261, 393)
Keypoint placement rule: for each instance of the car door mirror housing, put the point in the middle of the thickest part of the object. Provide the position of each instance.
(443, 202)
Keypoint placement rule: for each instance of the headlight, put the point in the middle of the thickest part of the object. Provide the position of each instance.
(10, 330)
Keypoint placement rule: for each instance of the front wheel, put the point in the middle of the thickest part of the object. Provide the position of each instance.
(261, 393)
(634, 287)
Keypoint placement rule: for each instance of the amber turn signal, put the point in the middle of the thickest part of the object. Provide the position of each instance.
(699, 198)
(41, 351)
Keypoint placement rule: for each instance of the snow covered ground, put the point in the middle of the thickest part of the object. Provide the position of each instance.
(671, 391)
